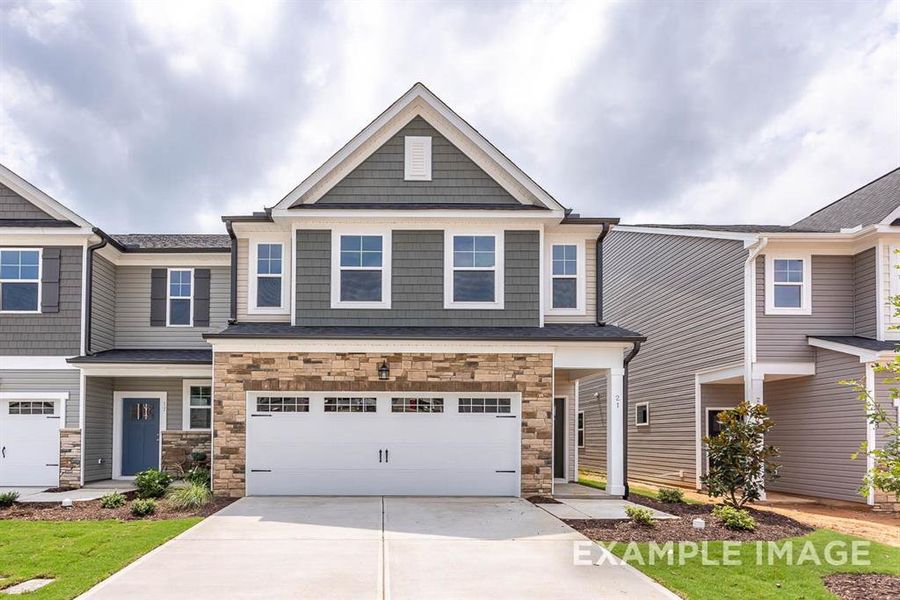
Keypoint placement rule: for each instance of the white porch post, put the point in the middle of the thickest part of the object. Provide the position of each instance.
(615, 438)
(756, 397)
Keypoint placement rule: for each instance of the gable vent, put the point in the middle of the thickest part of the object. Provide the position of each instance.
(417, 158)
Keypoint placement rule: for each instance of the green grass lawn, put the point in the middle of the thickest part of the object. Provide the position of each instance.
(696, 581)
(78, 554)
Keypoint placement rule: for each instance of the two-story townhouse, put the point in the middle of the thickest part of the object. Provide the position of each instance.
(775, 314)
(411, 319)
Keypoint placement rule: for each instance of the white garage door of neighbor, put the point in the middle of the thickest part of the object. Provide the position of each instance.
(29, 442)
(409, 444)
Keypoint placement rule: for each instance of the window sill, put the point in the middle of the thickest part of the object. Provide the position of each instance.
(361, 305)
(268, 310)
(565, 312)
(20, 312)
(473, 306)
(773, 311)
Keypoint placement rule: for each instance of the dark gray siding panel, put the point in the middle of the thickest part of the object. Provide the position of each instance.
(417, 293)
(55, 381)
(14, 206)
(865, 303)
(819, 423)
(454, 177)
(51, 334)
(686, 295)
(783, 337)
(98, 428)
(592, 400)
(103, 305)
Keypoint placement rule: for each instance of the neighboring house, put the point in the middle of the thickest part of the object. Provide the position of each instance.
(774, 314)
(411, 319)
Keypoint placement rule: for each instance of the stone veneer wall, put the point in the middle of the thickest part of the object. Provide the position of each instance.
(177, 447)
(70, 458)
(237, 373)
(885, 502)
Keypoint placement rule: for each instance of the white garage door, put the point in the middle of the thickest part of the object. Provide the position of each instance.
(417, 444)
(29, 442)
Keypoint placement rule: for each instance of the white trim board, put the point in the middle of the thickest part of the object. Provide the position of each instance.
(34, 363)
(145, 370)
(117, 427)
(40, 199)
(863, 354)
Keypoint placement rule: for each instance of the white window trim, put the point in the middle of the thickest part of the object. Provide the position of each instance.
(169, 297)
(499, 281)
(252, 275)
(186, 403)
(408, 174)
(386, 245)
(639, 404)
(580, 427)
(580, 277)
(805, 290)
(40, 277)
(893, 283)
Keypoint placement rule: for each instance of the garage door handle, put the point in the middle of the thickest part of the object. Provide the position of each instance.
(387, 458)
(379, 456)
(4, 451)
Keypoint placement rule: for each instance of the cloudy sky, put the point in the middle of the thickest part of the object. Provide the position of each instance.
(161, 116)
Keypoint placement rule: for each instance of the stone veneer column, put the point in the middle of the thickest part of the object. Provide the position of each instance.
(70, 458)
(237, 373)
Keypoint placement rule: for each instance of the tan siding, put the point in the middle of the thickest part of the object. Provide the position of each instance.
(593, 456)
(819, 423)
(890, 322)
(865, 304)
(783, 337)
(590, 265)
(883, 389)
(171, 385)
(243, 267)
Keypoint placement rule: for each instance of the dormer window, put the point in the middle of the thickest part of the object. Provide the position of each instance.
(789, 285)
(417, 158)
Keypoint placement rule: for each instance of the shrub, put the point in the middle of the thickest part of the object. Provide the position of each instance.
(192, 496)
(152, 483)
(670, 495)
(739, 460)
(639, 515)
(198, 457)
(734, 518)
(7, 499)
(197, 476)
(112, 500)
(143, 507)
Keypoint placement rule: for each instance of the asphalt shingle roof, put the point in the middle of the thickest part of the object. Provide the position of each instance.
(858, 342)
(209, 242)
(175, 355)
(868, 205)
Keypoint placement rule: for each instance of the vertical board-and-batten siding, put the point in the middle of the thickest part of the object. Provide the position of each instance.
(686, 295)
(417, 279)
(132, 311)
(865, 303)
(50, 381)
(50, 333)
(783, 338)
(590, 265)
(103, 304)
(819, 424)
(455, 178)
(14, 206)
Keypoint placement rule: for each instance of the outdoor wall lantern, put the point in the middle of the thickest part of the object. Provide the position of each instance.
(384, 371)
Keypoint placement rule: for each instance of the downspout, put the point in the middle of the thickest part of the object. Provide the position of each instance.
(89, 285)
(234, 252)
(634, 350)
(750, 312)
(599, 282)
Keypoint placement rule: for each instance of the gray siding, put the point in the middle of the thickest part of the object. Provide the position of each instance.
(883, 387)
(716, 396)
(454, 177)
(417, 294)
(56, 381)
(49, 334)
(865, 303)
(783, 337)
(103, 305)
(819, 423)
(132, 311)
(98, 429)
(593, 456)
(14, 206)
(686, 295)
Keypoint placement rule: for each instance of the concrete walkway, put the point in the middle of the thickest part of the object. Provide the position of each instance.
(91, 491)
(397, 548)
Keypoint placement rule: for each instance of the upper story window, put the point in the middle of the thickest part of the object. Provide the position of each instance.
(417, 158)
(565, 266)
(788, 285)
(474, 278)
(20, 280)
(180, 304)
(360, 270)
(268, 289)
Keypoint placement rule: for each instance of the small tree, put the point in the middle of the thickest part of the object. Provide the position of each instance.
(738, 457)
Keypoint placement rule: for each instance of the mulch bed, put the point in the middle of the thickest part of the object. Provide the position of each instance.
(769, 526)
(91, 511)
(863, 586)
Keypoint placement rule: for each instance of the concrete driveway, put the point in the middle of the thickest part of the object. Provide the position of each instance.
(397, 548)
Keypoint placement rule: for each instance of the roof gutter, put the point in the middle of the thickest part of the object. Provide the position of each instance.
(635, 348)
(599, 281)
(234, 253)
(89, 285)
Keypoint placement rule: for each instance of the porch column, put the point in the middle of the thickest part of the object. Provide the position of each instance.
(756, 396)
(615, 439)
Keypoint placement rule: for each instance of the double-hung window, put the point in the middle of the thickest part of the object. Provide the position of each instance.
(180, 303)
(269, 270)
(788, 285)
(360, 270)
(475, 276)
(197, 404)
(564, 273)
(20, 280)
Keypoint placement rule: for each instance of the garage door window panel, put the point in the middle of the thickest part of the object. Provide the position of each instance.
(31, 408)
(484, 405)
(417, 405)
(350, 405)
(282, 404)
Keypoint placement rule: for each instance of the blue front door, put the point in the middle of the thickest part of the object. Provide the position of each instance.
(140, 435)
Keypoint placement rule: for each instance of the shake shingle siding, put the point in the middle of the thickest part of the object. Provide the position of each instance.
(50, 381)
(455, 178)
(686, 295)
(417, 294)
(49, 334)
(865, 304)
(13, 206)
(784, 337)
